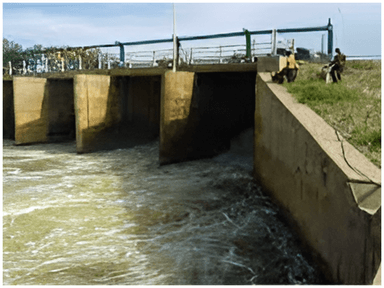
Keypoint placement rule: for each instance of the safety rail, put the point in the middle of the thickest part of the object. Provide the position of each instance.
(190, 55)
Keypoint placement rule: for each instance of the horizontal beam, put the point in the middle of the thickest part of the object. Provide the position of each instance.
(222, 35)
(308, 29)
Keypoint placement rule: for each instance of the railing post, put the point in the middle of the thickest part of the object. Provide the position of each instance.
(220, 58)
(24, 68)
(46, 64)
(130, 61)
(254, 50)
(154, 59)
(62, 64)
(80, 63)
(248, 43)
(330, 39)
(191, 58)
(100, 63)
(122, 54)
(273, 40)
(10, 68)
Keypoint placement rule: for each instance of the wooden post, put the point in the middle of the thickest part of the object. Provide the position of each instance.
(80, 63)
(10, 68)
(24, 67)
(100, 64)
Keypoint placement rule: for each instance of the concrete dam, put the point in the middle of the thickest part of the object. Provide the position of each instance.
(199, 112)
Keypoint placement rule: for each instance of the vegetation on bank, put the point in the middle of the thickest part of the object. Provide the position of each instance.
(352, 106)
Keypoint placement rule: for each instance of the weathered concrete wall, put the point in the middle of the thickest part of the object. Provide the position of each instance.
(61, 112)
(271, 64)
(144, 103)
(176, 96)
(8, 110)
(201, 112)
(335, 204)
(31, 110)
(116, 111)
(43, 109)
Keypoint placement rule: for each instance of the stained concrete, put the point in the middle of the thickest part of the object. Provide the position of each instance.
(202, 112)
(334, 202)
(8, 110)
(116, 111)
(43, 109)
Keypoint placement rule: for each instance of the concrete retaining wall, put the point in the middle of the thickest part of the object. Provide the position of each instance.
(8, 110)
(43, 109)
(334, 202)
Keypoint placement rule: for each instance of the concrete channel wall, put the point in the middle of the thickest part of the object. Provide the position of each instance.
(330, 190)
(202, 112)
(43, 109)
(8, 110)
(116, 111)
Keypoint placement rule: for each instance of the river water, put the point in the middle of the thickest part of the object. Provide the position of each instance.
(117, 217)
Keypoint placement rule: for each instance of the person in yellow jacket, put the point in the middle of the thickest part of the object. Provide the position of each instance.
(289, 72)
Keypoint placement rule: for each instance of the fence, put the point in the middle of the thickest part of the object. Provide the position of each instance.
(222, 54)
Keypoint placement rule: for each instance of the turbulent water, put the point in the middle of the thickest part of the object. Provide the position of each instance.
(117, 217)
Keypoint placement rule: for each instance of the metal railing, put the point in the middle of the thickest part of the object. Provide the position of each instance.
(236, 53)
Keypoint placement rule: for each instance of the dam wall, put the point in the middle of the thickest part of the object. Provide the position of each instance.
(330, 191)
(8, 111)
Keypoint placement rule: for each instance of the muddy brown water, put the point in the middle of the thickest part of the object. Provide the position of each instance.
(117, 217)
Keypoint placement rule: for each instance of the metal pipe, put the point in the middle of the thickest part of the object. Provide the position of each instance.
(330, 38)
(174, 40)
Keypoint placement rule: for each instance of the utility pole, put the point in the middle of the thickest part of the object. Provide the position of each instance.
(174, 39)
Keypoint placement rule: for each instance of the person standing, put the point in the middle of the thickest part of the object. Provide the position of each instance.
(338, 65)
(292, 67)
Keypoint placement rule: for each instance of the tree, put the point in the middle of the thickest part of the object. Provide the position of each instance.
(12, 52)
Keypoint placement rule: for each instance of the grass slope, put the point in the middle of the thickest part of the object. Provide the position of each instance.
(352, 106)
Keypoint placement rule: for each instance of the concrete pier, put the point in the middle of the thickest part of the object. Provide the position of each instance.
(44, 109)
(8, 110)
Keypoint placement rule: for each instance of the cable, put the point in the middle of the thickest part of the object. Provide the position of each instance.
(353, 168)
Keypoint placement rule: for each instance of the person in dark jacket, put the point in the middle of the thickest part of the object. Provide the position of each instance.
(338, 66)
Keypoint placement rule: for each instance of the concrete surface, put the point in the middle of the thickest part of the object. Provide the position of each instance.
(8, 111)
(202, 112)
(336, 209)
(116, 111)
(43, 109)
(176, 96)
(31, 110)
(271, 64)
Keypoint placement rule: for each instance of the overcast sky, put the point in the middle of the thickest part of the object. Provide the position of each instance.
(357, 26)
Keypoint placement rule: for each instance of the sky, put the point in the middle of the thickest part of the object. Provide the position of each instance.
(357, 26)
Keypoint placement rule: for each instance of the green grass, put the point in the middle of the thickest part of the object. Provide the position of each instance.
(352, 106)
